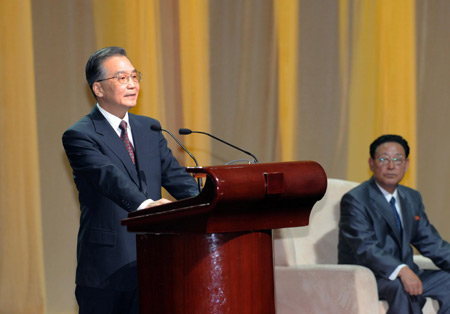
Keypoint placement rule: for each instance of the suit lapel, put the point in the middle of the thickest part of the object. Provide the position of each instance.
(380, 203)
(140, 139)
(407, 216)
(140, 135)
(110, 139)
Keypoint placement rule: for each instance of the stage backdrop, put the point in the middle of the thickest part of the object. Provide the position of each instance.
(283, 79)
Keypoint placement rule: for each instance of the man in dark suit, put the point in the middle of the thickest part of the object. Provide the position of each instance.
(376, 232)
(119, 165)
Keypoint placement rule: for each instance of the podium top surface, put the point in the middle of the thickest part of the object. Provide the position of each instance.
(239, 198)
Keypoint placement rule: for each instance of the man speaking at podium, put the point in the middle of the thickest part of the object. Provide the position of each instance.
(119, 165)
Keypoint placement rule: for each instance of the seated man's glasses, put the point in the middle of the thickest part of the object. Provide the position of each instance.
(398, 161)
(124, 78)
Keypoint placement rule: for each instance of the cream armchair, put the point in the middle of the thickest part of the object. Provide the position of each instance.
(307, 276)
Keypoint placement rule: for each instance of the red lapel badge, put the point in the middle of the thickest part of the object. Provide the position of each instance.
(417, 218)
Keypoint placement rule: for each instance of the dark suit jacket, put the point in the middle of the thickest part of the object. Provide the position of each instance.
(110, 186)
(368, 235)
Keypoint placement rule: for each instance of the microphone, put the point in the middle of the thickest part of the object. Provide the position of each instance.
(188, 131)
(157, 128)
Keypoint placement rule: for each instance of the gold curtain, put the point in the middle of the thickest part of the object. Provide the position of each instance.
(382, 80)
(21, 250)
(194, 39)
(287, 23)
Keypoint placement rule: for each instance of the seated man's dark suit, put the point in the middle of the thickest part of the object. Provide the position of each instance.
(110, 186)
(368, 236)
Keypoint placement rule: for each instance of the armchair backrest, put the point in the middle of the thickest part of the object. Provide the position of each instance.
(317, 242)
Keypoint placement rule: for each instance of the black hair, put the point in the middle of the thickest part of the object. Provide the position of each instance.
(386, 139)
(94, 66)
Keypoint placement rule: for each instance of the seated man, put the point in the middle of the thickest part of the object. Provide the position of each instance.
(379, 221)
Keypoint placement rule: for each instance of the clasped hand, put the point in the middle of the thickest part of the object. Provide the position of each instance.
(411, 282)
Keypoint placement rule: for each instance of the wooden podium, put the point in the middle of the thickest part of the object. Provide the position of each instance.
(213, 253)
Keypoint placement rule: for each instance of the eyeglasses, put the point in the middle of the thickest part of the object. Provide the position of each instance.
(124, 78)
(398, 161)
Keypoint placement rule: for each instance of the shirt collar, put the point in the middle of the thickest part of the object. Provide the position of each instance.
(112, 119)
(386, 194)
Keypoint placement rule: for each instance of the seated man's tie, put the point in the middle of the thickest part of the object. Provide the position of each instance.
(397, 216)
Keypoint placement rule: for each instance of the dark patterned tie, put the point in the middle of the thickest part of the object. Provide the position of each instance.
(126, 140)
(397, 217)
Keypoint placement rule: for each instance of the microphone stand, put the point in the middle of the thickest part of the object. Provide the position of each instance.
(158, 128)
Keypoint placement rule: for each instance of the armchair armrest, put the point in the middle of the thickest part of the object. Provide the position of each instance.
(325, 289)
(424, 262)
